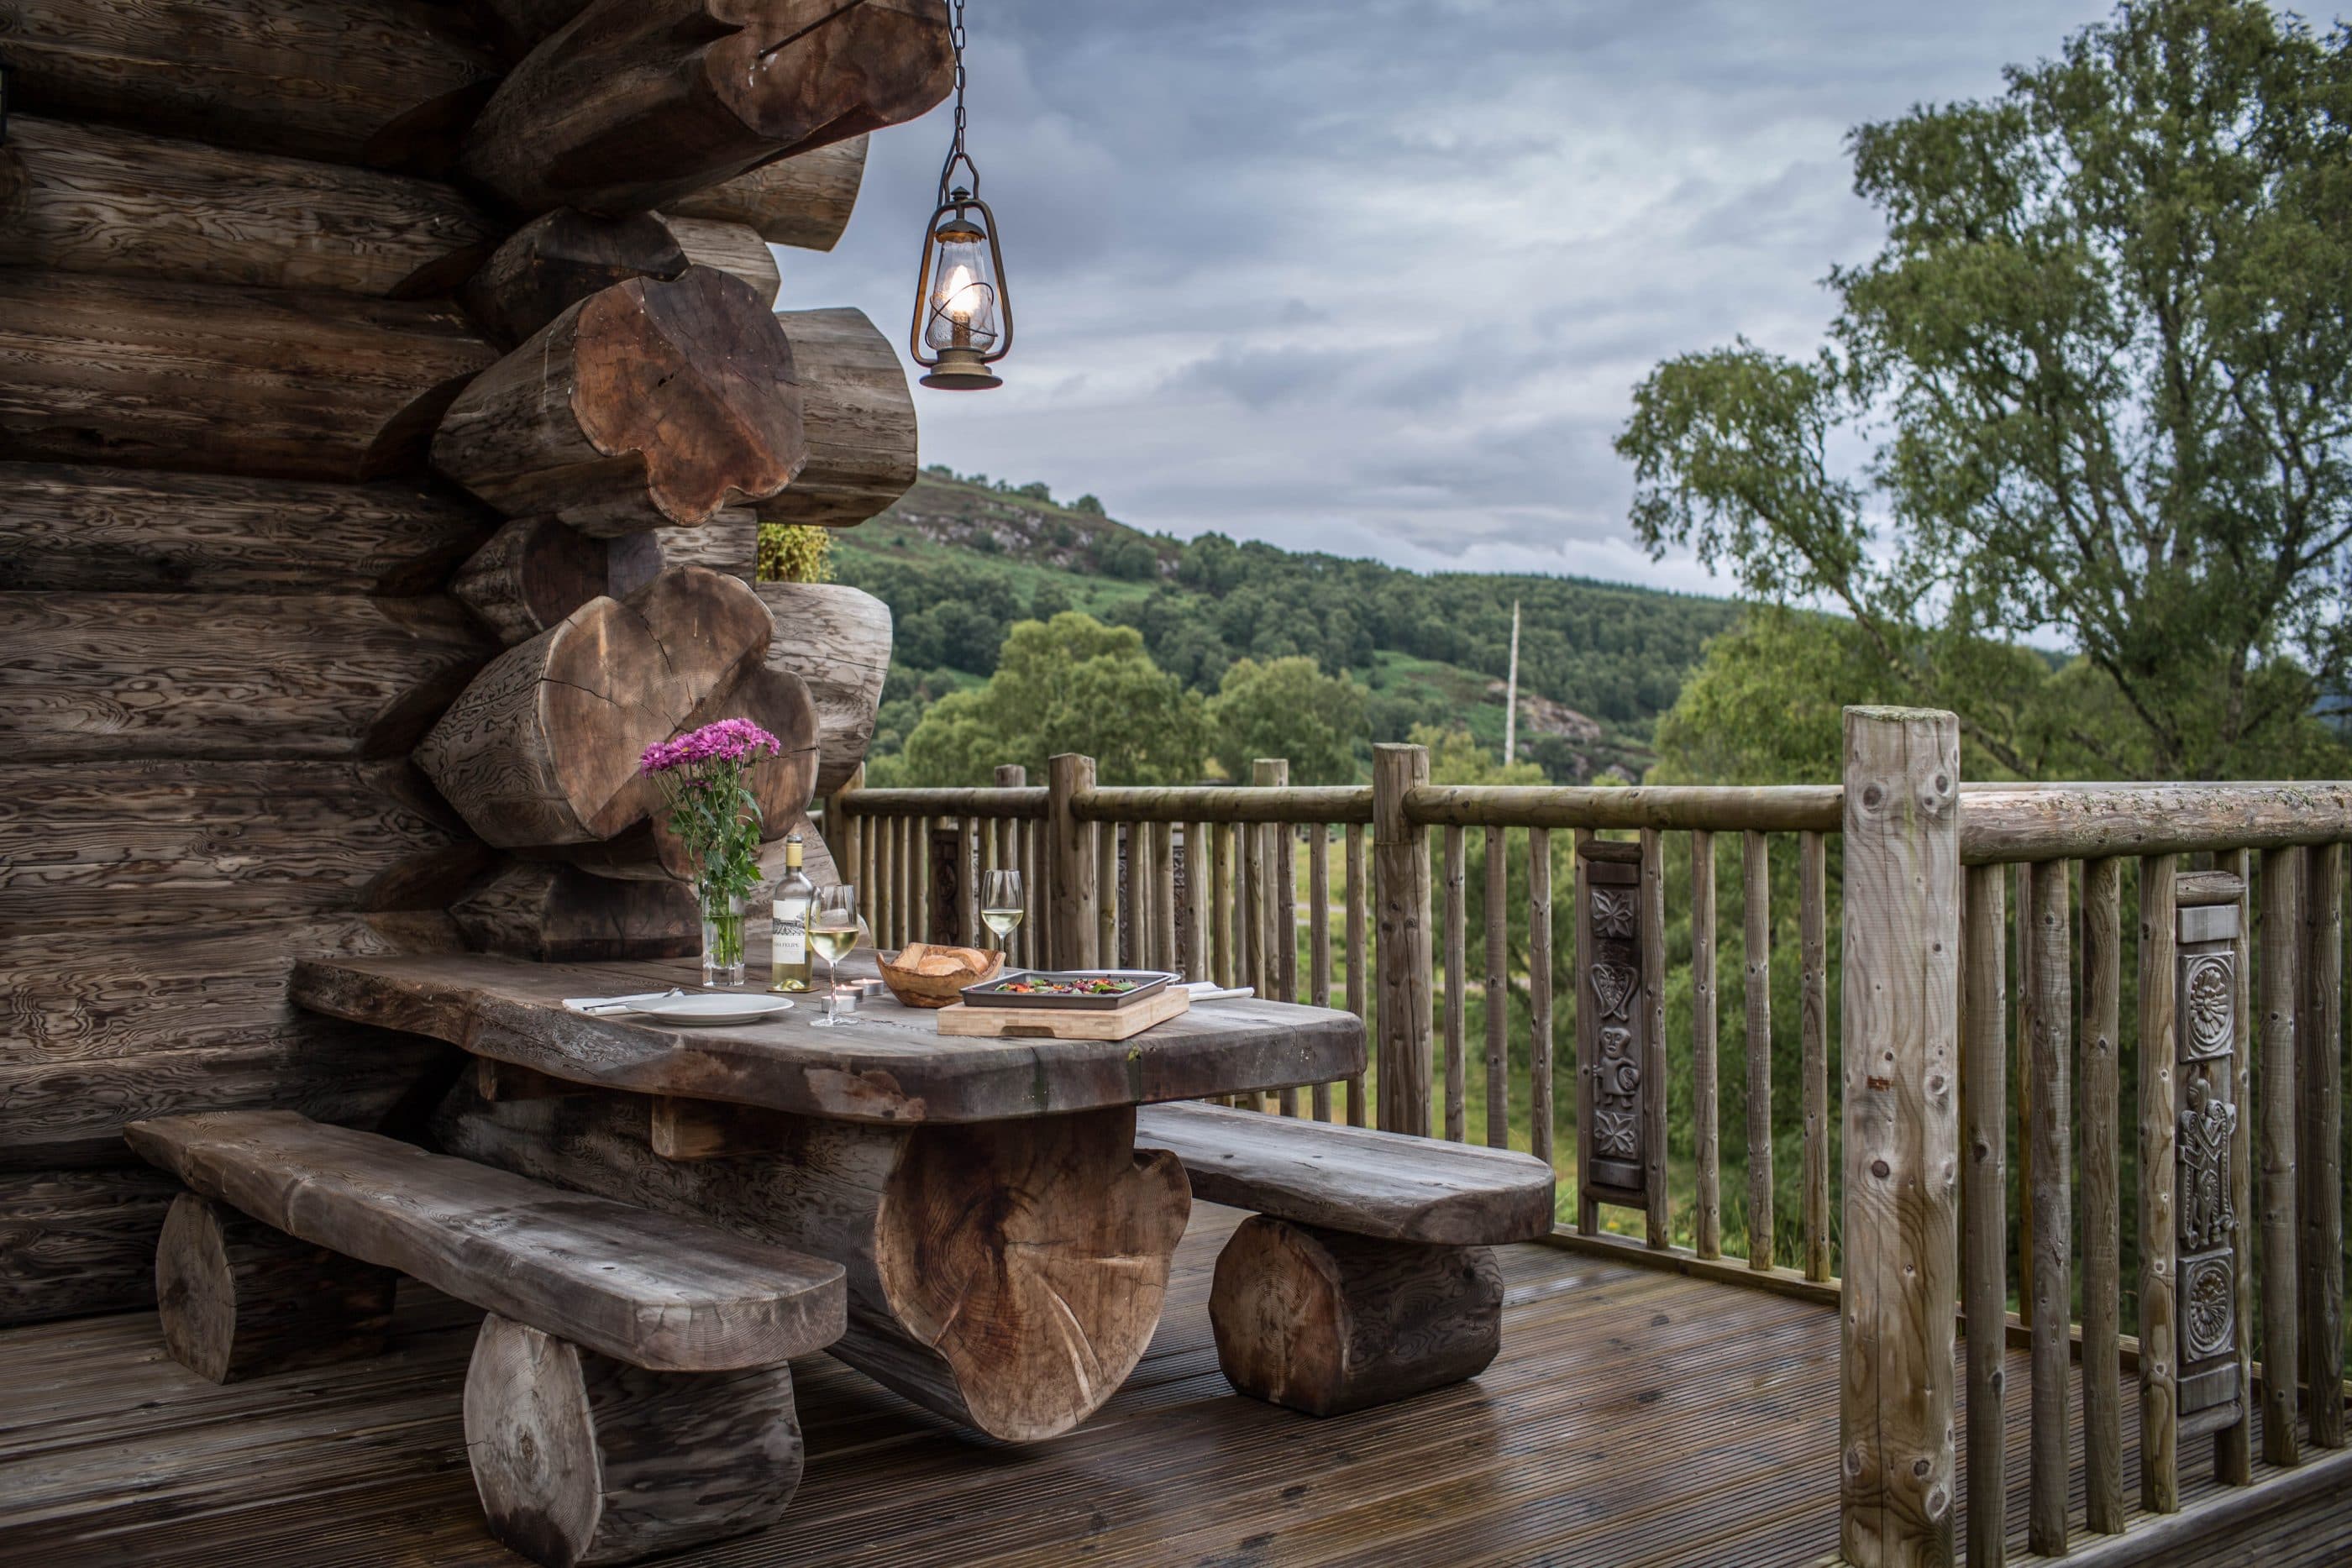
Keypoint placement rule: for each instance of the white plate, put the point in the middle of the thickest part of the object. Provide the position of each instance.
(713, 1008)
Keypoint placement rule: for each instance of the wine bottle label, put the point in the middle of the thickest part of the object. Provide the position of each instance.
(791, 933)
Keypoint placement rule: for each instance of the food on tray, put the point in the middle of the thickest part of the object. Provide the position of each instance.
(1038, 985)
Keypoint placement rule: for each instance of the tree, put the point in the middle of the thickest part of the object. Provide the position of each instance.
(1088, 505)
(1287, 708)
(1068, 684)
(1126, 555)
(2107, 358)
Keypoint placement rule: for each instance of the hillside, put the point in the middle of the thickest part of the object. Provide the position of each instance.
(960, 559)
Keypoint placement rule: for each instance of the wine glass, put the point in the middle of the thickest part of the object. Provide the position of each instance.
(833, 933)
(999, 905)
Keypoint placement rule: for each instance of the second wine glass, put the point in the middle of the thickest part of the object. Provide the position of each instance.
(831, 935)
(999, 905)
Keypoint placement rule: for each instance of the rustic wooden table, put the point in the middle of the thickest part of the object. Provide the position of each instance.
(1007, 1247)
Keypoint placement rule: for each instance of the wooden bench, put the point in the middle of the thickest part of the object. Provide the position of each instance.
(1366, 1275)
(627, 1395)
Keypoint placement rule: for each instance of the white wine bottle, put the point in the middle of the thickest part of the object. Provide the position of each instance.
(788, 927)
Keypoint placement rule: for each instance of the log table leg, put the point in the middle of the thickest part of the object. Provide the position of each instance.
(580, 1459)
(238, 1299)
(1326, 1323)
(1006, 1274)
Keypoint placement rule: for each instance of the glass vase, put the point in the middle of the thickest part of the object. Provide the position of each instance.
(722, 936)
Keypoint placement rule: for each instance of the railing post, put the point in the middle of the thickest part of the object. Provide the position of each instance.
(1070, 854)
(1400, 897)
(1902, 937)
(845, 833)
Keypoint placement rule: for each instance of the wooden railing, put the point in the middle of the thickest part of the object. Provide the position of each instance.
(1206, 880)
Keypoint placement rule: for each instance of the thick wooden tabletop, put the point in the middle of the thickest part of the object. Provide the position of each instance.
(891, 1065)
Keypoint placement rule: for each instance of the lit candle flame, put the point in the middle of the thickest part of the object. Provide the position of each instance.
(961, 297)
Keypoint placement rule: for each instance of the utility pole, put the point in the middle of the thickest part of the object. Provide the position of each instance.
(1511, 694)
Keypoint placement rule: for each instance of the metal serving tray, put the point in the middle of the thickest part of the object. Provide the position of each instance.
(992, 993)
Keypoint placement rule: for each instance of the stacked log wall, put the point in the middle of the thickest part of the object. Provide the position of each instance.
(236, 594)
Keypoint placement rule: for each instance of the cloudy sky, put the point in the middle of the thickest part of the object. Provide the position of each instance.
(1376, 276)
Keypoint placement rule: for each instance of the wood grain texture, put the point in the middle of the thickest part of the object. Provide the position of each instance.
(2100, 1082)
(1707, 1138)
(729, 543)
(631, 106)
(559, 259)
(381, 82)
(859, 416)
(115, 1452)
(70, 1114)
(1540, 1113)
(1402, 925)
(2051, 1013)
(1657, 1204)
(1327, 1323)
(581, 1459)
(804, 201)
(238, 1298)
(836, 639)
(554, 914)
(1070, 859)
(1755, 946)
(893, 1067)
(1813, 1026)
(652, 403)
(1388, 1186)
(78, 1242)
(531, 574)
(85, 992)
(732, 248)
(1018, 1315)
(80, 528)
(2159, 1309)
(2234, 1452)
(157, 844)
(96, 676)
(661, 1293)
(2319, 1063)
(1457, 984)
(543, 748)
(1984, 1205)
(92, 198)
(1498, 994)
(157, 374)
(2058, 821)
(1902, 949)
(2279, 936)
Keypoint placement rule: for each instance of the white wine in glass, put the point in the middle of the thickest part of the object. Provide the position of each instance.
(832, 934)
(1000, 903)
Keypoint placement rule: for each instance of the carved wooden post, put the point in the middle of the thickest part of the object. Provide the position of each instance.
(2209, 1389)
(2159, 1339)
(1070, 906)
(1401, 894)
(1901, 1156)
(1619, 1051)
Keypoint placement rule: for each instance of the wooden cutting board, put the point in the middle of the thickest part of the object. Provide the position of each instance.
(1076, 1023)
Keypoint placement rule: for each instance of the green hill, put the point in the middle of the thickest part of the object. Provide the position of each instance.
(960, 559)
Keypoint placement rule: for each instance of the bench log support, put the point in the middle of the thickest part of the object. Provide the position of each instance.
(1324, 1322)
(238, 1299)
(580, 1459)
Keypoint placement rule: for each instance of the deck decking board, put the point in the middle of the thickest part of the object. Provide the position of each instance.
(1635, 1416)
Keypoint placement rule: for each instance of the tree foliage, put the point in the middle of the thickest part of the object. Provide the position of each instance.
(2103, 366)
(1287, 708)
(1068, 684)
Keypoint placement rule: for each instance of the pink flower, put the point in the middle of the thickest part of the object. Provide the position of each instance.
(733, 742)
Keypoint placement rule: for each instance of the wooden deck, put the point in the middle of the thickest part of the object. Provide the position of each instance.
(1636, 1416)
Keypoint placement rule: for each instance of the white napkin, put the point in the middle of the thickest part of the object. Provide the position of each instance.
(597, 1007)
(1210, 991)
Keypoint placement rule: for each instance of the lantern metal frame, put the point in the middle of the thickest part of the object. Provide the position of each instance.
(961, 366)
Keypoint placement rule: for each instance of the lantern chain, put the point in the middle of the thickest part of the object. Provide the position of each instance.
(955, 154)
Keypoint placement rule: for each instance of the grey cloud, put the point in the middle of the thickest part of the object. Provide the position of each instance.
(1378, 276)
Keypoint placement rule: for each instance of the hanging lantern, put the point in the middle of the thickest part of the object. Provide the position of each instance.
(963, 319)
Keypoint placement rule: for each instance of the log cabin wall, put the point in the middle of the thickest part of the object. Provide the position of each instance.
(356, 404)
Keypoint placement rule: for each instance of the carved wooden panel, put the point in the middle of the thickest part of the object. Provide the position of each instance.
(1611, 1020)
(2206, 1221)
